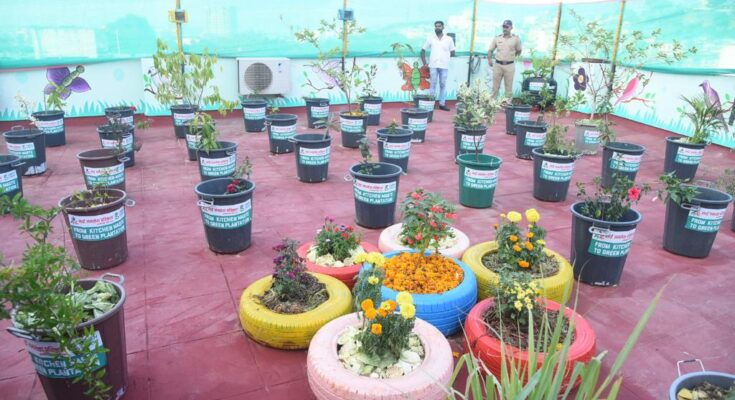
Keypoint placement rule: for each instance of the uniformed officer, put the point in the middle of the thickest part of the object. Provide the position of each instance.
(508, 46)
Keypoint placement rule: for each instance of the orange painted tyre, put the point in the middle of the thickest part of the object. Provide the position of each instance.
(345, 274)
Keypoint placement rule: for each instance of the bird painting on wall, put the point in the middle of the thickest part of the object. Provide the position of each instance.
(632, 90)
(712, 99)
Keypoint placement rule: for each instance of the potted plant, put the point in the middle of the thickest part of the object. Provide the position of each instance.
(284, 310)
(370, 102)
(227, 210)
(28, 144)
(538, 77)
(216, 158)
(375, 189)
(281, 129)
(472, 120)
(253, 112)
(117, 136)
(11, 183)
(478, 177)
(414, 79)
(518, 109)
(702, 384)
(61, 84)
(74, 329)
(521, 253)
(726, 183)
(394, 145)
(312, 153)
(603, 226)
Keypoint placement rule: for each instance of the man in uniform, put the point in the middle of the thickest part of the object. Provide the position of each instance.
(442, 48)
(508, 47)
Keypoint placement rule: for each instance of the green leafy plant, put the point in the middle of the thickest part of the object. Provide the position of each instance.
(367, 164)
(541, 67)
(426, 220)
(704, 118)
(96, 196)
(515, 299)
(518, 250)
(479, 107)
(369, 72)
(610, 204)
(676, 189)
(118, 130)
(556, 142)
(336, 240)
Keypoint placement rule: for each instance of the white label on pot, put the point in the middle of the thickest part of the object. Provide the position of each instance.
(472, 142)
(222, 166)
(427, 104)
(705, 219)
(535, 86)
(625, 162)
(126, 142)
(98, 227)
(228, 217)
(105, 176)
(521, 116)
(417, 124)
(192, 141)
(351, 125)
(282, 132)
(375, 193)
(181, 119)
(372, 108)
(127, 120)
(534, 139)
(319, 112)
(254, 114)
(591, 136)
(51, 362)
(313, 156)
(480, 179)
(688, 156)
(9, 181)
(50, 127)
(23, 150)
(396, 151)
(556, 172)
(611, 243)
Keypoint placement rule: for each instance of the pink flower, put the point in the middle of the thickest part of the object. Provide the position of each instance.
(436, 209)
(231, 188)
(416, 196)
(433, 223)
(451, 215)
(634, 194)
(419, 236)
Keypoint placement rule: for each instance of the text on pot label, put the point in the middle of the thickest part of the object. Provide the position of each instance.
(313, 156)
(396, 151)
(192, 141)
(51, 127)
(480, 179)
(535, 86)
(375, 193)
(282, 132)
(126, 142)
(51, 362)
(472, 142)
(94, 228)
(521, 116)
(181, 119)
(254, 113)
(22, 150)
(228, 217)
(625, 162)
(222, 166)
(534, 139)
(705, 219)
(417, 124)
(688, 156)
(426, 104)
(9, 181)
(611, 243)
(351, 125)
(591, 137)
(372, 108)
(556, 172)
(319, 111)
(105, 176)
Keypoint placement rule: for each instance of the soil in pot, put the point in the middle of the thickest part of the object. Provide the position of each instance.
(683, 158)
(372, 105)
(253, 113)
(620, 159)
(10, 176)
(217, 163)
(394, 146)
(551, 175)
(227, 217)
(29, 145)
(529, 135)
(427, 103)
(516, 336)
(281, 128)
(181, 115)
(312, 157)
(52, 125)
(513, 114)
(416, 120)
(690, 229)
(353, 127)
(103, 168)
(317, 110)
(375, 194)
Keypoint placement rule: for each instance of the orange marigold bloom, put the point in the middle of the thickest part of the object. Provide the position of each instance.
(529, 246)
(529, 235)
(371, 314)
(517, 248)
(392, 305)
(513, 238)
(496, 226)
(367, 304)
(383, 312)
(376, 329)
(416, 273)
(523, 264)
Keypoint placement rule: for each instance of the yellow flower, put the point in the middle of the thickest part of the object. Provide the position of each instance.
(517, 248)
(376, 329)
(513, 238)
(529, 306)
(514, 216)
(523, 264)
(404, 298)
(532, 215)
(373, 280)
(529, 246)
(518, 305)
(502, 216)
(529, 235)
(541, 242)
(558, 346)
(408, 310)
(360, 258)
(367, 304)
(371, 314)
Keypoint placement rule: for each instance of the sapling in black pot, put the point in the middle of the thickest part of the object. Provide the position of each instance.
(375, 189)
(313, 151)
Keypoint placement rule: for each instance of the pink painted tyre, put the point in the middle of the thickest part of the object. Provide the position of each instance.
(329, 380)
(345, 274)
(388, 241)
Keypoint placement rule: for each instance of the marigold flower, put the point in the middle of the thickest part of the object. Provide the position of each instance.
(408, 310)
(529, 235)
(367, 304)
(523, 264)
(529, 306)
(532, 215)
(503, 216)
(383, 312)
(529, 246)
(376, 329)
(513, 238)
(541, 242)
(496, 226)
(517, 248)
(389, 305)
(371, 314)
(404, 298)
(373, 280)
(518, 305)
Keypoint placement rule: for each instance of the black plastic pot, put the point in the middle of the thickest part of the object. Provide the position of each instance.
(193, 139)
(682, 158)
(469, 140)
(281, 128)
(375, 194)
(372, 105)
(425, 102)
(317, 110)
(600, 248)
(416, 120)
(534, 85)
(312, 156)
(478, 178)
(253, 112)
(586, 137)
(51, 123)
(551, 175)
(103, 168)
(217, 163)
(126, 114)
(395, 148)
(529, 135)
(621, 159)
(99, 233)
(109, 140)
(353, 127)
(28, 145)
(181, 114)
(691, 228)
(513, 114)
(10, 175)
(227, 217)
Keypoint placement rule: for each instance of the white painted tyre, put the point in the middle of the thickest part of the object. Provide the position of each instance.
(388, 241)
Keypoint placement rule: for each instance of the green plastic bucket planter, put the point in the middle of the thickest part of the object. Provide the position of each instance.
(513, 114)
(600, 248)
(219, 162)
(478, 177)
(281, 128)
(353, 129)
(416, 120)
(551, 175)
(586, 137)
(425, 102)
(181, 114)
(109, 140)
(51, 123)
(253, 113)
(469, 140)
(395, 148)
(312, 156)
(103, 167)
(683, 158)
(227, 217)
(317, 110)
(620, 159)
(529, 135)
(691, 228)
(10, 175)
(28, 145)
(375, 194)
(373, 106)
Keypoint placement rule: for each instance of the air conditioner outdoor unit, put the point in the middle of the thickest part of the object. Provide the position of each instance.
(264, 75)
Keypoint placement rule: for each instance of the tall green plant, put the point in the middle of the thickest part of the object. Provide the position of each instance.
(704, 118)
(556, 142)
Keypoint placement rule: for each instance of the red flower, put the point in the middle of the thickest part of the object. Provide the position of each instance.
(416, 196)
(236, 181)
(419, 236)
(451, 215)
(433, 223)
(409, 240)
(350, 228)
(421, 215)
(345, 235)
(231, 188)
(436, 209)
(634, 194)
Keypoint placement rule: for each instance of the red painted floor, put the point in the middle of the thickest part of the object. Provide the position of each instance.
(183, 335)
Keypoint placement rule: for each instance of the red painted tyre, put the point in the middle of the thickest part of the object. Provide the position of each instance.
(330, 380)
(388, 241)
(487, 347)
(345, 274)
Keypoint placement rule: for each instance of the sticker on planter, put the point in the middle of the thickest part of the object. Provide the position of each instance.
(282, 132)
(254, 114)
(351, 125)
(534, 139)
(375, 193)
(126, 142)
(471, 142)
(480, 179)
(93, 228)
(228, 217)
(535, 86)
(9, 181)
(318, 112)
(688, 156)
(611, 243)
(521, 116)
(427, 104)
(591, 137)
(705, 219)
(372, 108)
(51, 362)
(192, 141)
(50, 127)
(181, 119)
(396, 151)
(556, 172)
(23, 150)
(127, 120)
(223, 166)
(625, 162)
(313, 156)
(417, 124)
(105, 176)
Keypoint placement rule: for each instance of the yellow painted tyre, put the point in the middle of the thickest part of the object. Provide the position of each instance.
(290, 331)
(552, 287)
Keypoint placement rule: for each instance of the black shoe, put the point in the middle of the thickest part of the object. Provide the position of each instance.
(444, 108)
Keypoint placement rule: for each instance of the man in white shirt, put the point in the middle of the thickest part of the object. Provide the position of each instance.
(441, 48)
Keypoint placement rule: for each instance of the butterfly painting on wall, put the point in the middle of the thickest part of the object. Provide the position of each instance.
(416, 77)
(65, 81)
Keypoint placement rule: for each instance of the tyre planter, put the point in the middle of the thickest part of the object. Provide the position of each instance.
(552, 287)
(125, 114)
(446, 311)
(586, 137)
(513, 114)
(217, 163)
(227, 217)
(281, 128)
(312, 157)
(425, 102)
(344, 274)
(529, 135)
(490, 350)
(290, 331)
(375, 195)
(51, 123)
(317, 111)
(551, 175)
(600, 248)
(690, 229)
(29, 146)
(620, 159)
(469, 140)
(110, 327)
(689, 381)
(109, 140)
(389, 242)
(103, 167)
(353, 129)
(181, 116)
(416, 120)
(330, 380)
(478, 177)
(372, 105)
(99, 233)
(10, 176)
(253, 113)
(682, 158)
(395, 148)
(533, 85)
